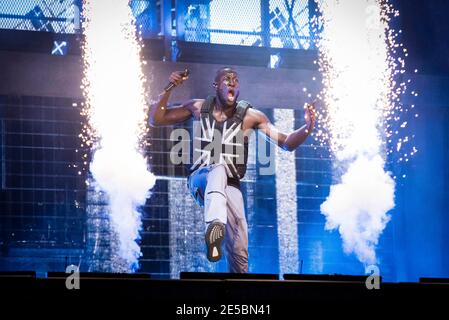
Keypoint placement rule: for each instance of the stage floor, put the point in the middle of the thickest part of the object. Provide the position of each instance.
(263, 299)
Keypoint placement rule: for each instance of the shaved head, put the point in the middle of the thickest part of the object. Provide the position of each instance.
(227, 86)
(222, 71)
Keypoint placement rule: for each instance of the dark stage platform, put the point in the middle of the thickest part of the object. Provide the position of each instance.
(238, 298)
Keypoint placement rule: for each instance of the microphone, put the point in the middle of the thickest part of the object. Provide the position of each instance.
(171, 85)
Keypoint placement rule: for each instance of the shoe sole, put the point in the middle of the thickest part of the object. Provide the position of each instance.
(214, 237)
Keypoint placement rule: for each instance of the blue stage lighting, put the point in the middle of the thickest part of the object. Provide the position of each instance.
(275, 60)
(60, 48)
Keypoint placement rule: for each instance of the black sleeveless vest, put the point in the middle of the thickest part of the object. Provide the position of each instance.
(220, 142)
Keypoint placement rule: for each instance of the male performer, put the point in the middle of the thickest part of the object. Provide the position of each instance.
(215, 175)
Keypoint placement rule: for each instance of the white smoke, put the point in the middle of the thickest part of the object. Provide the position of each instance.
(358, 206)
(114, 89)
(126, 181)
(357, 73)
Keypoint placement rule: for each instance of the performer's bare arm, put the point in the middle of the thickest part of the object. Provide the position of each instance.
(291, 141)
(161, 115)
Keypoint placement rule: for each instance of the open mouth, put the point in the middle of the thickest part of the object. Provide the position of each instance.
(231, 95)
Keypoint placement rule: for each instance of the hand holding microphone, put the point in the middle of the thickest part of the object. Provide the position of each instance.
(176, 78)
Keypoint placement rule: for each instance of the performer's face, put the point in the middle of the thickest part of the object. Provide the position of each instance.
(228, 88)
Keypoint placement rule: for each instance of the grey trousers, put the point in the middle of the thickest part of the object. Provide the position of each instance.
(208, 185)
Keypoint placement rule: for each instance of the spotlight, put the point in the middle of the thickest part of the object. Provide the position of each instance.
(60, 48)
(275, 60)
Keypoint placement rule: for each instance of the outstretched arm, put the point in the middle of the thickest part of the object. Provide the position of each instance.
(286, 141)
(161, 115)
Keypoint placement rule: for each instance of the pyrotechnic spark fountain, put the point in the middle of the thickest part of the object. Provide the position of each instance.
(360, 94)
(116, 111)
